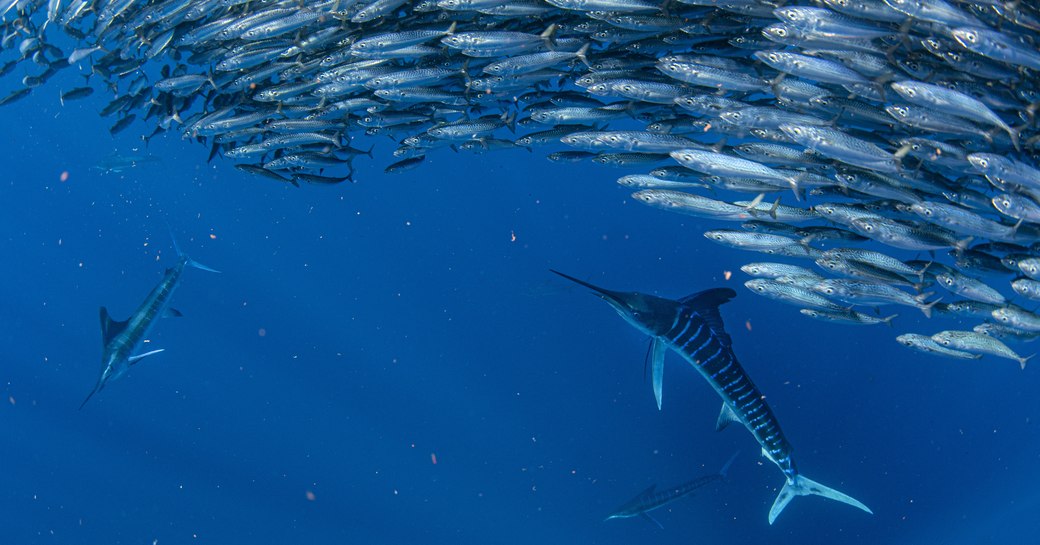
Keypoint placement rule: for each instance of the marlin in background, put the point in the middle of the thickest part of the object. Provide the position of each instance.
(121, 339)
(692, 327)
(651, 499)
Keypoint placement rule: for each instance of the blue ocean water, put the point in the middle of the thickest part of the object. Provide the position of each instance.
(392, 362)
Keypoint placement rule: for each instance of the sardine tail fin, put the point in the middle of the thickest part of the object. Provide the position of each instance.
(927, 308)
(803, 486)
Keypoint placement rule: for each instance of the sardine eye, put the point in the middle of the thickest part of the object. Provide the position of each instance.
(780, 32)
(971, 36)
(1006, 203)
(911, 93)
(828, 291)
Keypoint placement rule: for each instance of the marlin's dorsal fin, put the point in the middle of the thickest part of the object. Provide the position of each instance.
(649, 491)
(706, 303)
(109, 327)
(709, 298)
(725, 417)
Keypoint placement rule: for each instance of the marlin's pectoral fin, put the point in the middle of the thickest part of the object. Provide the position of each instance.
(657, 352)
(646, 516)
(726, 416)
(172, 313)
(139, 357)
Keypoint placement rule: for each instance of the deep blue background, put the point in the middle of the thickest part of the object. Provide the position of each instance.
(357, 330)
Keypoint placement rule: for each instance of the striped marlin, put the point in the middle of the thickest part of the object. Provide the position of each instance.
(121, 339)
(651, 499)
(692, 327)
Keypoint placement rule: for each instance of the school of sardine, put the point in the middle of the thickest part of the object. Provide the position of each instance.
(909, 123)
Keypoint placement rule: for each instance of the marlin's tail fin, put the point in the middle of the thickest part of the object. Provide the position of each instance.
(802, 486)
(198, 265)
(191, 261)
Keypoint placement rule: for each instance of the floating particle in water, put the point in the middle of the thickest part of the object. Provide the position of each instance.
(64, 176)
(433, 458)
